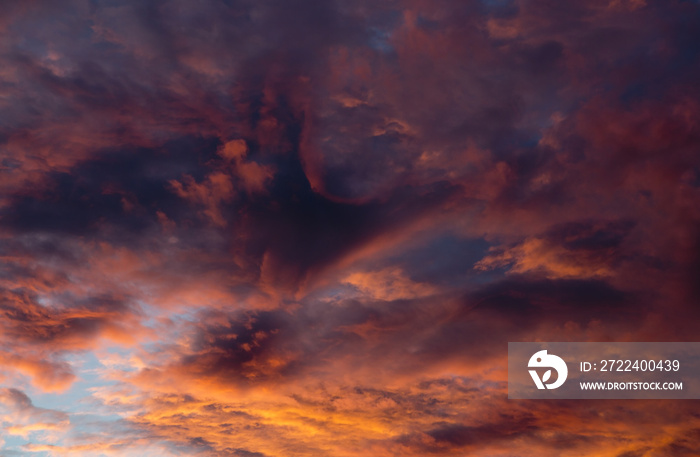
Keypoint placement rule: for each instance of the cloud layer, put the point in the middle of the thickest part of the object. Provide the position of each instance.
(307, 228)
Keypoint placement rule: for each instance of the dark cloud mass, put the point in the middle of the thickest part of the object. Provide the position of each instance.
(306, 228)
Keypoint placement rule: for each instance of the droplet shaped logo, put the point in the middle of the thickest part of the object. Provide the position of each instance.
(543, 360)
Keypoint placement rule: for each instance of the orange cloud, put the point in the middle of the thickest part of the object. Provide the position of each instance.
(19, 417)
(216, 189)
(388, 284)
(46, 375)
(253, 176)
(540, 257)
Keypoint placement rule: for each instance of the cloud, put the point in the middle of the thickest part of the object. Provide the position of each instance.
(573, 250)
(21, 418)
(300, 228)
(387, 284)
(216, 189)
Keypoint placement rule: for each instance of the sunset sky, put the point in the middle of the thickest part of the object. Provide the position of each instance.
(309, 228)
